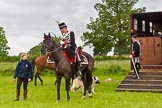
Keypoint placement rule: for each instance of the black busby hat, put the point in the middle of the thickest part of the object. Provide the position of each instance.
(62, 25)
(134, 35)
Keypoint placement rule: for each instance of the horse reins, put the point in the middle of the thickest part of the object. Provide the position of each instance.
(53, 52)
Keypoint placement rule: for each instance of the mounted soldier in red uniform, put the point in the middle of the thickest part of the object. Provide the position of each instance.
(69, 45)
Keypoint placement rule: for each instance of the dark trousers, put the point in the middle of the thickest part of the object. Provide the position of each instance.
(20, 81)
(70, 52)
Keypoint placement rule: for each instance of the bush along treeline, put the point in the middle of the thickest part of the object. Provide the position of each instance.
(104, 57)
(8, 65)
(14, 58)
(9, 59)
(114, 57)
(104, 65)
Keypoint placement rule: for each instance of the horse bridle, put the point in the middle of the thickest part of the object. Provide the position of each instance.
(50, 51)
(53, 52)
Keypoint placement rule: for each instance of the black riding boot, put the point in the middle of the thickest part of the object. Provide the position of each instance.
(25, 94)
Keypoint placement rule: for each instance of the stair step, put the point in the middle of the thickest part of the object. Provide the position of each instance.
(138, 90)
(140, 86)
(145, 77)
(147, 73)
(152, 85)
(127, 81)
(150, 81)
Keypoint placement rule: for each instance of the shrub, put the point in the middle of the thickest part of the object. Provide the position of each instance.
(114, 57)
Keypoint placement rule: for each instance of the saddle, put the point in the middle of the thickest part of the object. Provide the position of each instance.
(78, 56)
(50, 59)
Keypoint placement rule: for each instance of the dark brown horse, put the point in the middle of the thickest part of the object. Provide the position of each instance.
(66, 69)
(41, 63)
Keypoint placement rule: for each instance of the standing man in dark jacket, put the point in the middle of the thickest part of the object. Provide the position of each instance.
(23, 73)
(136, 52)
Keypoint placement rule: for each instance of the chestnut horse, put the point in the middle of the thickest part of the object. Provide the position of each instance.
(66, 69)
(41, 63)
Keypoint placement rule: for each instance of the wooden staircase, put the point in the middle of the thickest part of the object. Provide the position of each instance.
(150, 81)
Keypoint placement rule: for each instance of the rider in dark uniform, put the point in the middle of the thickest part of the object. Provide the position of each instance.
(68, 42)
(136, 51)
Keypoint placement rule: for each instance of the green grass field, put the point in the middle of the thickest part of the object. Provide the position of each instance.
(106, 97)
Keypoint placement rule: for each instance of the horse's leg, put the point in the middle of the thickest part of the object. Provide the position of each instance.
(67, 81)
(84, 84)
(35, 81)
(58, 77)
(55, 82)
(40, 79)
(39, 70)
(89, 81)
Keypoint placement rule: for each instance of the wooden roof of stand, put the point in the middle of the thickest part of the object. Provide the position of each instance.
(151, 16)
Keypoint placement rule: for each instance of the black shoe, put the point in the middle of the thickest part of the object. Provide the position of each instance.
(134, 73)
(134, 76)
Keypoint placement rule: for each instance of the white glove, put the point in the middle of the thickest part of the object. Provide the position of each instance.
(29, 79)
(61, 42)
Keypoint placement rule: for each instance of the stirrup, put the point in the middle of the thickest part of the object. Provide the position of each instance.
(49, 61)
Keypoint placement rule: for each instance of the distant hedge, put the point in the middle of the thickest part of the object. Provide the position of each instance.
(104, 57)
(13, 58)
(9, 59)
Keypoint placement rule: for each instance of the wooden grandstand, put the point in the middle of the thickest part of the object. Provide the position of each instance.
(148, 26)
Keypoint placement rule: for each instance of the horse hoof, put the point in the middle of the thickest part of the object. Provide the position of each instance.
(83, 97)
(57, 101)
(90, 95)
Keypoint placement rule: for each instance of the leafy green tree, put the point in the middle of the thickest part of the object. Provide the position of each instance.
(3, 43)
(35, 51)
(111, 28)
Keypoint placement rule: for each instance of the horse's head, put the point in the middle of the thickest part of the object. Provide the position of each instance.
(47, 36)
(47, 44)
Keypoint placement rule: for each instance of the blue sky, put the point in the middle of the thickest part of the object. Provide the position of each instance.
(25, 21)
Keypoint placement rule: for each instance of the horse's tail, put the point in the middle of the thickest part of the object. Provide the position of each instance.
(33, 65)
